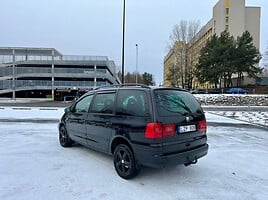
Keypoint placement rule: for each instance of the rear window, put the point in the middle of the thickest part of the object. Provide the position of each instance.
(172, 102)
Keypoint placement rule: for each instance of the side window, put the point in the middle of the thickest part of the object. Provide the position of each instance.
(83, 105)
(103, 103)
(132, 103)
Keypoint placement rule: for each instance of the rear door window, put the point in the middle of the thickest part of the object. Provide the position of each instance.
(132, 103)
(172, 102)
(103, 103)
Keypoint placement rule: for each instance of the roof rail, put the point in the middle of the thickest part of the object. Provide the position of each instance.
(135, 84)
(123, 85)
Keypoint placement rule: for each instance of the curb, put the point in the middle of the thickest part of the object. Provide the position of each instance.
(39, 121)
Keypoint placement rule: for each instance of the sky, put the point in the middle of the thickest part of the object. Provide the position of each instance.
(94, 27)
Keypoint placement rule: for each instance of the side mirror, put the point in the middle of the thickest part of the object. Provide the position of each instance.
(68, 109)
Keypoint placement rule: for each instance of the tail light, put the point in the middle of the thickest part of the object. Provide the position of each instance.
(158, 131)
(168, 130)
(202, 126)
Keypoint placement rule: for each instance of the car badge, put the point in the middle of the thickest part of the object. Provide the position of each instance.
(187, 119)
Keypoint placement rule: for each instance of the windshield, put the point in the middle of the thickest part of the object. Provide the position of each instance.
(172, 102)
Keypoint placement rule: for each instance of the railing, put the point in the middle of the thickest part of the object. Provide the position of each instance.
(7, 71)
(38, 84)
(8, 59)
(82, 58)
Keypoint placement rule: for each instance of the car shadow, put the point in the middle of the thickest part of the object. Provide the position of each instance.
(168, 174)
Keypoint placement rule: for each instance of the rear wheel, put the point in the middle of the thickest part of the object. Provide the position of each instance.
(124, 162)
(64, 139)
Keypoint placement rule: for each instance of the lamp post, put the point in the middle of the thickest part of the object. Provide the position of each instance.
(13, 75)
(52, 75)
(123, 43)
(137, 63)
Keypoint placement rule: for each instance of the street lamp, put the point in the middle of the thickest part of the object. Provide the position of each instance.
(123, 43)
(13, 75)
(136, 63)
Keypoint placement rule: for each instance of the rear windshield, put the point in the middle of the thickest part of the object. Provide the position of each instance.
(172, 102)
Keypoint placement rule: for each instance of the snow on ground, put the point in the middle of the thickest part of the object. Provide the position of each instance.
(39, 113)
(34, 166)
(210, 117)
(260, 118)
(21, 100)
(30, 113)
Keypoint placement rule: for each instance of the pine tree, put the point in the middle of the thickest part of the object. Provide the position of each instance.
(222, 57)
(247, 58)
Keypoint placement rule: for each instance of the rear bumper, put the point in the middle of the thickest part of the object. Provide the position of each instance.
(152, 157)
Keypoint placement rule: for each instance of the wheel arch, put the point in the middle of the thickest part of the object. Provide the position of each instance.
(120, 140)
(60, 125)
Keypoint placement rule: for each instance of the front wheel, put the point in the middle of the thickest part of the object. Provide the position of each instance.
(64, 139)
(124, 162)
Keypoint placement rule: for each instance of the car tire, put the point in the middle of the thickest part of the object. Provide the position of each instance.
(124, 162)
(64, 139)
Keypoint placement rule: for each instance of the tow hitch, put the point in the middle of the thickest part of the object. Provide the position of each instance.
(190, 162)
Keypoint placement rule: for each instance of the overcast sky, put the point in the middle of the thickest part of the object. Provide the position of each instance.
(94, 27)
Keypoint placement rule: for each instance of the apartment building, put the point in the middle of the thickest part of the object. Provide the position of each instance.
(230, 15)
(175, 59)
(46, 73)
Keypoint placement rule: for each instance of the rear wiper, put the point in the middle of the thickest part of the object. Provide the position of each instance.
(182, 114)
(182, 104)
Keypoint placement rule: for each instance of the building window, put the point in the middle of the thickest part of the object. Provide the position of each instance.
(226, 19)
(227, 11)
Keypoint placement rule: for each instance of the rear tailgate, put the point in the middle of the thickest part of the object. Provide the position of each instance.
(180, 112)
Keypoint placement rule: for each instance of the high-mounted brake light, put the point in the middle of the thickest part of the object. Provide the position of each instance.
(158, 131)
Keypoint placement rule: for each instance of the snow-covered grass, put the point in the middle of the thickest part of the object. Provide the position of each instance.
(232, 99)
(34, 166)
(248, 102)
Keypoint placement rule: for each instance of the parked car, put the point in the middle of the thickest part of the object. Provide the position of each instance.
(237, 91)
(138, 125)
(215, 91)
(200, 91)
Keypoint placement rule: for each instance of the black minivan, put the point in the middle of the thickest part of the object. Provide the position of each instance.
(139, 125)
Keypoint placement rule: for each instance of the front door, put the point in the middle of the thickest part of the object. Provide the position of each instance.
(77, 118)
(99, 120)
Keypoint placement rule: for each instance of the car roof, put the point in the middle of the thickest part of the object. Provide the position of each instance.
(133, 86)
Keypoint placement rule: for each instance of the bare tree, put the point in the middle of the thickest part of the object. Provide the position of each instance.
(180, 74)
(184, 32)
(265, 62)
(193, 28)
